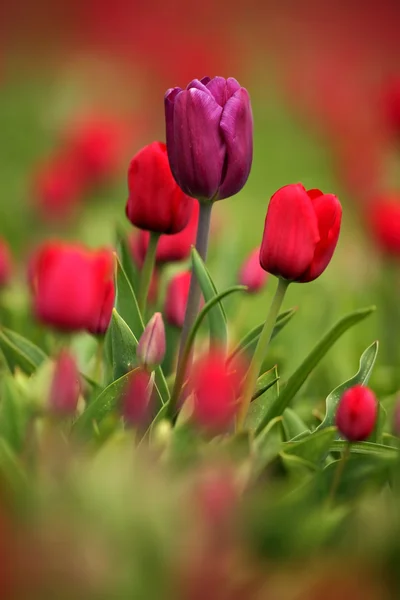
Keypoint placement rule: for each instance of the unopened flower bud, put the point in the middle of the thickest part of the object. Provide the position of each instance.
(65, 386)
(357, 413)
(135, 399)
(151, 348)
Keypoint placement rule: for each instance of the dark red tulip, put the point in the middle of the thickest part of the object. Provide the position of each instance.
(175, 247)
(216, 388)
(6, 266)
(65, 386)
(357, 413)
(384, 223)
(57, 188)
(70, 284)
(252, 274)
(135, 399)
(391, 105)
(101, 319)
(176, 299)
(209, 127)
(300, 234)
(155, 202)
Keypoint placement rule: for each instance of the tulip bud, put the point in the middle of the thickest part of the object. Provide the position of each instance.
(151, 348)
(175, 247)
(65, 386)
(384, 223)
(70, 284)
(176, 299)
(300, 234)
(135, 399)
(357, 413)
(155, 201)
(5, 263)
(252, 274)
(209, 128)
(216, 388)
(101, 319)
(57, 188)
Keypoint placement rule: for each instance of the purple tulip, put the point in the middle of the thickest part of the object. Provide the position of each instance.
(209, 137)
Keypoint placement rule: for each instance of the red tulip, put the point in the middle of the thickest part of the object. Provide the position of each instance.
(300, 234)
(65, 386)
(384, 223)
(252, 274)
(357, 413)
(216, 388)
(70, 284)
(135, 399)
(175, 247)
(391, 105)
(57, 188)
(5, 263)
(176, 299)
(155, 202)
(101, 320)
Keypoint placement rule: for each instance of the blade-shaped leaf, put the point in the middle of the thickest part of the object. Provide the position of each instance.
(248, 344)
(264, 382)
(25, 346)
(316, 355)
(313, 448)
(125, 256)
(15, 413)
(259, 407)
(216, 316)
(362, 376)
(126, 303)
(292, 425)
(14, 357)
(366, 448)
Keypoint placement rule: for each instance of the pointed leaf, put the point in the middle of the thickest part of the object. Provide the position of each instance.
(379, 450)
(314, 448)
(123, 344)
(126, 303)
(259, 407)
(25, 346)
(292, 425)
(15, 413)
(316, 355)
(362, 376)
(264, 382)
(125, 256)
(14, 357)
(267, 445)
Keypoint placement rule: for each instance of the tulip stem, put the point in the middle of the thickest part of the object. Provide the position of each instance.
(193, 302)
(260, 352)
(338, 473)
(147, 272)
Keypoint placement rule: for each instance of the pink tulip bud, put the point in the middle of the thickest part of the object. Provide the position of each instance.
(357, 413)
(135, 399)
(65, 386)
(252, 274)
(151, 348)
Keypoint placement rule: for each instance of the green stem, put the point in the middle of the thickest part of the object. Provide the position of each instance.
(339, 473)
(260, 352)
(147, 272)
(98, 361)
(193, 302)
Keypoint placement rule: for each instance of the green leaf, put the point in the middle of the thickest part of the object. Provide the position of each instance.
(377, 434)
(316, 355)
(125, 256)
(264, 382)
(379, 450)
(12, 473)
(15, 413)
(267, 445)
(25, 346)
(296, 465)
(123, 344)
(259, 407)
(14, 357)
(292, 425)
(362, 376)
(216, 316)
(248, 344)
(314, 448)
(126, 303)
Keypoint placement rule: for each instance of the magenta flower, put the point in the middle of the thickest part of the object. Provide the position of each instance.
(209, 128)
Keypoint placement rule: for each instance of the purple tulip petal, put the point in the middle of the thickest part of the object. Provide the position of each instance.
(217, 87)
(232, 86)
(197, 85)
(237, 131)
(199, 149)
(169, 100)
(205, 80)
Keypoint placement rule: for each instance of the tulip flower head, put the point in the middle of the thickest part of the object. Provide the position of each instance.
(384, 223)
(216, 387)
(70, 284)
(300, 234)
(252, 274)
(101, 319)
(176, 299)
(135, 399)
(209, 130)
(156, 203)
(65, 386)
(357, 413)
(151, 347)
(6, 266)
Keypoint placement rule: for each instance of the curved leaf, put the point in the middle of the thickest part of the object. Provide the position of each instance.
(379, 450)
(14, 357)
(25, 346)
(314, 448)
(316, 355)
(126, 303)
(362, 376)
(248, 344)
(259, 407)
(125, 256)
(292, 425)
(264, 382)
(217, 316)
